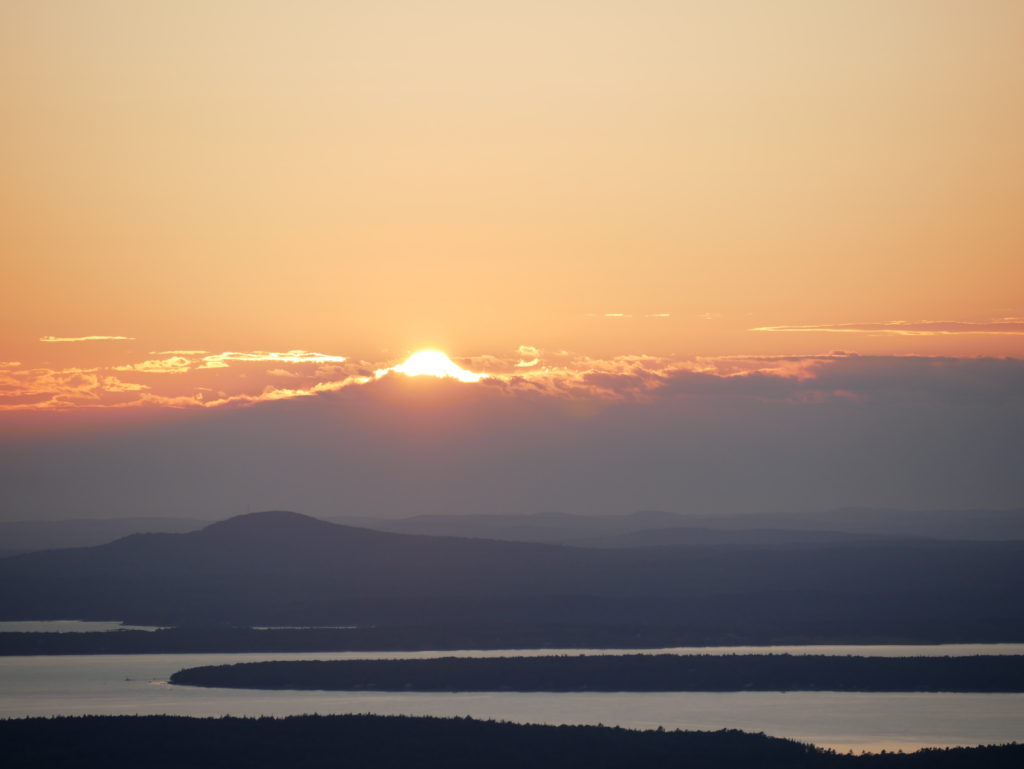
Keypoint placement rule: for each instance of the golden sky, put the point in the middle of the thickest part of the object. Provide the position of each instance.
(591, 180)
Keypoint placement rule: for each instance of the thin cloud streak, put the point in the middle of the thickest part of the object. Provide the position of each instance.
(1003, 326)
(221, 360)
(86, 338)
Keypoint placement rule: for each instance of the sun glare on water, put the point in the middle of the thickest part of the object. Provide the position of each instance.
(435, 363)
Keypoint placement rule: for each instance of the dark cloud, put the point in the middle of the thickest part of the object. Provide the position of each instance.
(899, 380)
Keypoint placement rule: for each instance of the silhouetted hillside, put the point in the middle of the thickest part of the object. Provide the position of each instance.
(690, 535)
(280, 568)
(402, 742)
(25, 536)
(647, 527)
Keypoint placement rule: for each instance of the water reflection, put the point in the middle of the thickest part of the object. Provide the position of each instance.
(133, 684)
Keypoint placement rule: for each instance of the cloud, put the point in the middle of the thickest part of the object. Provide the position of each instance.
(47, 389)
(178, 352)
(630, 315)
(43, 389)
(174, 365)
(221, 360)
(1003, 326)
(86, 338)
(530, 356)
(213, 381)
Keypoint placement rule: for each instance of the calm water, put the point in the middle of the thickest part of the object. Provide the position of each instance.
(134, 684)
(66, 626)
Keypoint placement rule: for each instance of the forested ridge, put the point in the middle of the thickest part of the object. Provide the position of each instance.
(635, 672)
(489, 636)
(386, 742)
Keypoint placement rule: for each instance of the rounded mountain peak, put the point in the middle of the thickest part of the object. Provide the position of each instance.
(275, 520)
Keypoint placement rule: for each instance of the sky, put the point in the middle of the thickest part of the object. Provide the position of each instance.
(706, 256)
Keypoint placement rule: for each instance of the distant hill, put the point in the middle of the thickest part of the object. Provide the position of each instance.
(648, 528)
(691, 535)
(24, 536)
(281, 568)
(977, 525)
(654, 527)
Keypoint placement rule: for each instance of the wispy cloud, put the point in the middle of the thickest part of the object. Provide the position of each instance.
(629, 315)
(86, 338)
(222, 360)
(1010, 326)
(174, 365)
(55, 390)
(530, 356)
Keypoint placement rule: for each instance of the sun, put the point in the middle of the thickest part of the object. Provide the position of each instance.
(435, 363)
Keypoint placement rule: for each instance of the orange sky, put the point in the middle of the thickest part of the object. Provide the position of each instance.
(592, 179)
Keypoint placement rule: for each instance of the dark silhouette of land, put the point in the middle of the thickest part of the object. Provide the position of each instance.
(645, 528)
(621, 673)
(491, 636)
(386, 742)
(27, 536)
(659, 528)
(286, 569)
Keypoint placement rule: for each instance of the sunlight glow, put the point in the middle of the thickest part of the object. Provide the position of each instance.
(435, 363)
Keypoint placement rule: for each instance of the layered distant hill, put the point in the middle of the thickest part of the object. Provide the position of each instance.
(648, 528)
(288, 569)
(25, 536)
(654, 527)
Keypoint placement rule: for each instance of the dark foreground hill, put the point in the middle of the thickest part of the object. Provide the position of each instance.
(386, 742)
(281, 568)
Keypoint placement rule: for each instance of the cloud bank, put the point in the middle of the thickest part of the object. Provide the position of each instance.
(570, 433)
(202, 380)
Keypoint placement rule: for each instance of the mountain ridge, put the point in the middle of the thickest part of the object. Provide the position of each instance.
(288, 569)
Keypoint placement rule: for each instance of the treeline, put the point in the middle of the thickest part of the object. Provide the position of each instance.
(491, 636)
(634, 673)
(383, 742)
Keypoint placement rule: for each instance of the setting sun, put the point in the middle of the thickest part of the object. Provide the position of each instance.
(435, 363)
